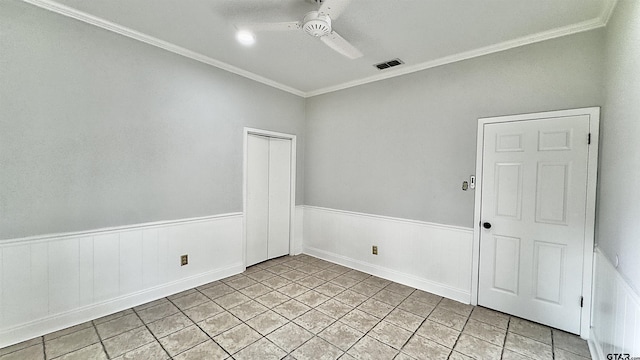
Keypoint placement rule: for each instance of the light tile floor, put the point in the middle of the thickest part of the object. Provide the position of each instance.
(304, 308)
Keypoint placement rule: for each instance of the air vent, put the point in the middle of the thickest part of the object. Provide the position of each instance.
(388, 64)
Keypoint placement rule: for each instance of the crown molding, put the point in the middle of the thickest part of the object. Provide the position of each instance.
(122, 30)
(595, 23)
(526, 40)
(605, 16)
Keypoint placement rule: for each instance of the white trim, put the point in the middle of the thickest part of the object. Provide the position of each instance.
(392, 275)
(594, 349)
(587, 25)
(430, 257)
(592, 164)
(292, 209)
(608, 11)
(590, 220)
(616, 310)
(63, 320)
(396, 219)
(133, 34)
(113, 229)
(594, 343)
(506, 45)
(79, 276)
(298, 240)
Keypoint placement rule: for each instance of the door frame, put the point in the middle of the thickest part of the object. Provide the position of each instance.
(245, 143)
(592, 173)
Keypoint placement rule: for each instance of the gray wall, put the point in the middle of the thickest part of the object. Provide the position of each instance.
(402, 147)
(618, 221)
(100, 130)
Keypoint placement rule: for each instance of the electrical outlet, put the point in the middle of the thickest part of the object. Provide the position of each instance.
(184, 260)
(374, 250)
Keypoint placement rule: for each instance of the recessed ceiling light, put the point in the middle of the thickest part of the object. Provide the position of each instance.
(245, 38)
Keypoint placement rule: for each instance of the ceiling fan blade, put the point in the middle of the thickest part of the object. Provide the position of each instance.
(339, 44)
(280, 26)
(333, 8)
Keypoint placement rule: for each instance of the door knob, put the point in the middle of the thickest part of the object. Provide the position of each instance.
(486, 225)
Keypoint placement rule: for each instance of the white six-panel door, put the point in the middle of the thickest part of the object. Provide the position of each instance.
(534, 189)
(268, 211)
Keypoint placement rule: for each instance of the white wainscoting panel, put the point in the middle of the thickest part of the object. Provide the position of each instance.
(48, 283)
(298, 230)
(616, 312)
(431, 257)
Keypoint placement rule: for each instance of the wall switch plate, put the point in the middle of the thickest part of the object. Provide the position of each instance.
(374, 250)
(472, 182)
(184, 260)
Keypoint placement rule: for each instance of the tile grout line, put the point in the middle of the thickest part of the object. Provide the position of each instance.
(396, 307)
(551, 330)
(334, 320)
(354, 308)
(196, 324)
(72, 351)
(484, 340)
(368, 331)
(271, 309)
(292, 320)
(415, 333)
(315, 308)
(95, 328)
(384, 317)
(325, 281)
(245, 323)
(150, 332)
(553, 347)
(460, 334)
(506, 333)
(44, 350)
(264, 336)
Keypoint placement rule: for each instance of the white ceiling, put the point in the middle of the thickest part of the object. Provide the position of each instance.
(423, 33)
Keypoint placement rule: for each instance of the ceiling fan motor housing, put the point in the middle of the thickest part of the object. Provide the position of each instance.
(316, 24)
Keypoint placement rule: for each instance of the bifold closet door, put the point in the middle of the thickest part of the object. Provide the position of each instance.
(279, 196)
(257, 198)
(268, 198)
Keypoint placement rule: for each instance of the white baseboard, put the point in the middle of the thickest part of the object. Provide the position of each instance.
(390, 274)
(51, 282)
(431, 257)
(594, 347)
(616, 312)
(80, 315)
(298, 230)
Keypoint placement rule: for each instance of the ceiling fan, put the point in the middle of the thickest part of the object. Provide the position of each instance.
(317, 24)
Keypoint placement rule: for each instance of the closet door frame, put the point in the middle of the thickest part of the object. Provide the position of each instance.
(252, 131)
